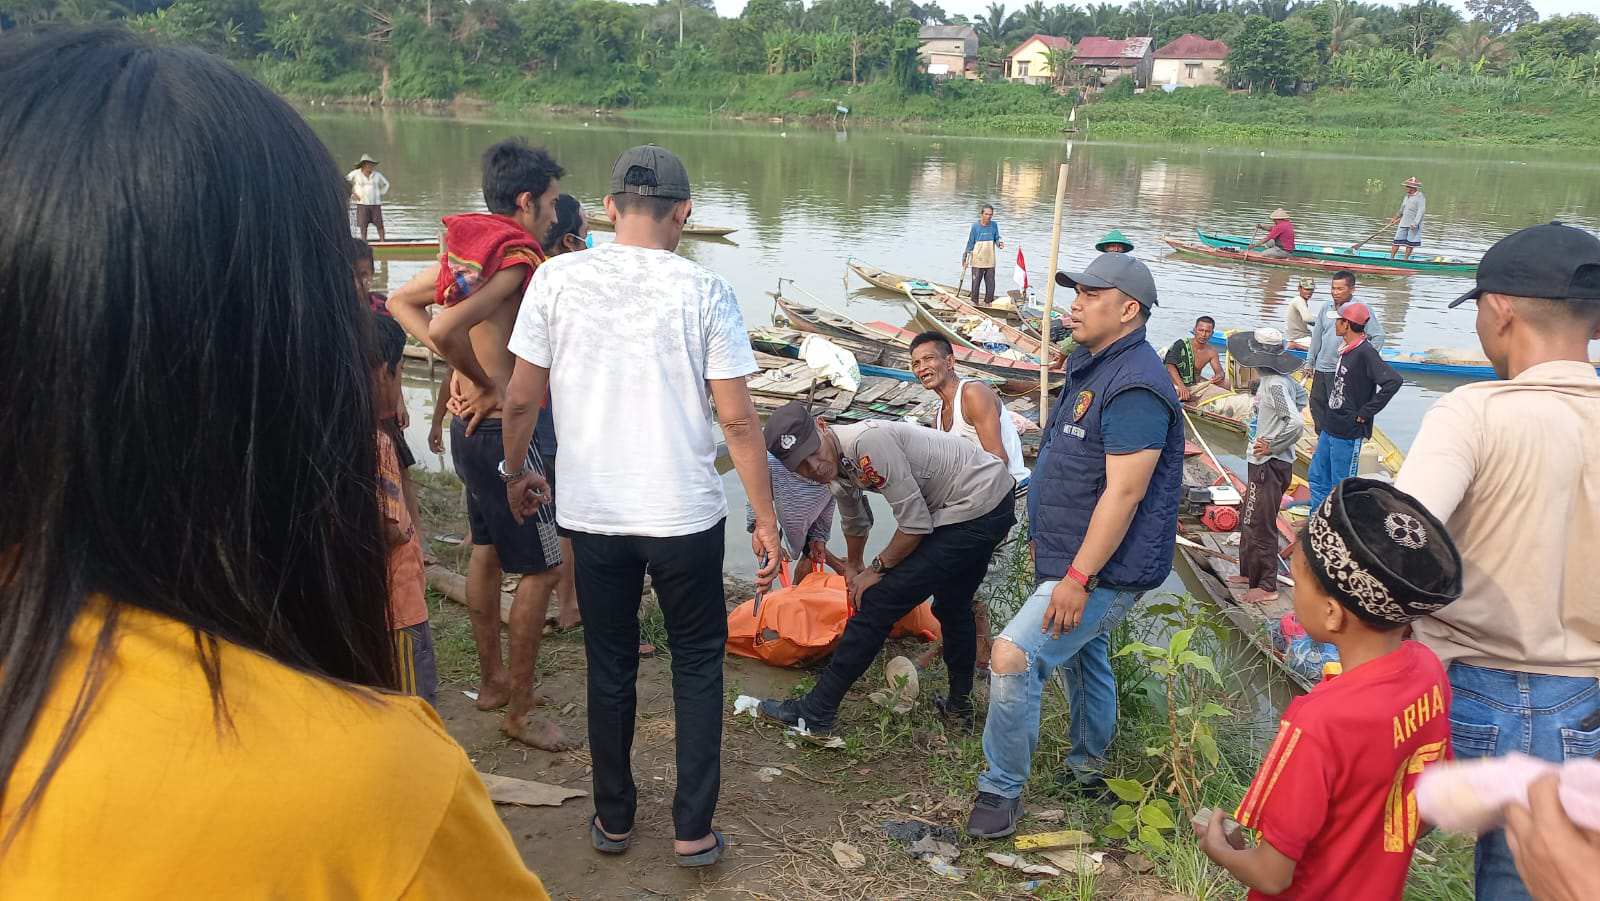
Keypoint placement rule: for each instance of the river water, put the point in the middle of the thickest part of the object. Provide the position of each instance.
(804, 201)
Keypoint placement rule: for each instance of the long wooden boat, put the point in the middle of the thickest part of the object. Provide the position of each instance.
(603, 223)
(1433, 361)
(406, 249)
(1345, 256)
(785, 342)
(957, 319)
(896, 344)
(1378, 455)
(900, 283)
(1212, 557)
(1195, 248)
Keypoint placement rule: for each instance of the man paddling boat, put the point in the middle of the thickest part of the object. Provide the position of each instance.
(1279, 241)
(1408, 233)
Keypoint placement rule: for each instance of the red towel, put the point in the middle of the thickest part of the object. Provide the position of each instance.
(478, 245)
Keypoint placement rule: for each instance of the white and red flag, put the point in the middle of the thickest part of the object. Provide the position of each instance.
(1019, 275)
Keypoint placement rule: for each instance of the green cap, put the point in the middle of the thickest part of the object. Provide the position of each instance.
(1115, 236)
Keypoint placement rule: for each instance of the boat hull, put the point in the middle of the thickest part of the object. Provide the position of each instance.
(1361, 257)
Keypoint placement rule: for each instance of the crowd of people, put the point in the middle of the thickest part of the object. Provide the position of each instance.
(215, 661)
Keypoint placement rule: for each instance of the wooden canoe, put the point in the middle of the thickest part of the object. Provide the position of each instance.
(689, 231)
(896, 282)
(1195, 248)
(406, 249)
(1345, 256)
(895, 343)
(1433, 361)
(955, 318)
(1377, 455)
(785, 342)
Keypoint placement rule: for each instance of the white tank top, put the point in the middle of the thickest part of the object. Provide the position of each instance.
(961, 428)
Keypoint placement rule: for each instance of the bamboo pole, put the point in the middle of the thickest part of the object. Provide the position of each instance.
(1046, 348)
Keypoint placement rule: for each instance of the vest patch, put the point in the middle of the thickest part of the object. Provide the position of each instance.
(1081, 405)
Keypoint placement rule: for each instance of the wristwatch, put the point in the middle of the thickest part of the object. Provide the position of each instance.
(509, 477)
(1089, 583)
(877, 565)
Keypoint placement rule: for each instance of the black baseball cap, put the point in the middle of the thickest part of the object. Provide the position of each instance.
(670, 179)
(791, 434)
(1550, 262)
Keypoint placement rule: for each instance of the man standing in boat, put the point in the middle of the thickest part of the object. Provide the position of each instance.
(1104, 499)
(969, 409)
(1323, 357)
(1299, 316)
(1510, 467)
(1408, 232)
(982, 241)
(1279, 240)
(367, 187)
(1187, 358)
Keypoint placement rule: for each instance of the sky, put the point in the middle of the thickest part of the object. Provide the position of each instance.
(972, 8)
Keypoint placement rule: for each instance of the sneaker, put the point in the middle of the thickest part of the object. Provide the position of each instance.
(957, 712)
(789, 713)
(993, 816)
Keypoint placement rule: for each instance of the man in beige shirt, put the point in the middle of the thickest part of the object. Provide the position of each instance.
(1512, 468)
(952, 507)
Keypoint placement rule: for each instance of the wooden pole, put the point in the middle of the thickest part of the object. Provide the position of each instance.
(1045, 345)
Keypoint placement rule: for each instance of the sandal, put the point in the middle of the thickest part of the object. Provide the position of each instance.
(605, 844)
(707, 857)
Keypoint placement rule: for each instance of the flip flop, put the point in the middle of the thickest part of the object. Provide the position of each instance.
(604, 843)
(707, 857)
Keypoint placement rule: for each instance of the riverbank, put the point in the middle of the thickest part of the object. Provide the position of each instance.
(1435, 111)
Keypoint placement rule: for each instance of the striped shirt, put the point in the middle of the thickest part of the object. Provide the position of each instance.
(805, 509)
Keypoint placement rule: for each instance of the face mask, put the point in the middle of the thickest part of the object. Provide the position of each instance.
(588, 240)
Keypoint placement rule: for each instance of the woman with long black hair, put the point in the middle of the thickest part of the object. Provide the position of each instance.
(195, 669)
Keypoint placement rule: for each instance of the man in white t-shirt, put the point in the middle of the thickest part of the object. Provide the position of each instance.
(627, 337)
(367, 187)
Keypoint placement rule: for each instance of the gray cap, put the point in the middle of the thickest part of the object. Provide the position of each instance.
(1115, 270)
(667, 178)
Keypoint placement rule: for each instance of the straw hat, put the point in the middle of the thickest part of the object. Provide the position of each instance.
(1264, 348)
(367, 158)
(1280, 213)
(1412, 182)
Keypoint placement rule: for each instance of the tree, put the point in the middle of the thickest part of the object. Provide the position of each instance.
(549, 30)
(1502, 15)
(1269, 55)
(1062, 72)
(1347, 28)
(1474, 45)
(905, 57)
(1558, 37)
(994, 23)
(1423, 26)
(772, 15)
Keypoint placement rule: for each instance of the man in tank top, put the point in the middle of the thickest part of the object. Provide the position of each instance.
(969, 409)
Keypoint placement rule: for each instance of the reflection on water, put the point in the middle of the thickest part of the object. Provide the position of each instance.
(805, 201)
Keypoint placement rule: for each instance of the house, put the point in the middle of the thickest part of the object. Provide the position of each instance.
(949, 51)
(1106, 59)
(1029, 61)
(1189, 61)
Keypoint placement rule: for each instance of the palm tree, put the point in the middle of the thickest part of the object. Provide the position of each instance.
(1032, 17)
(1472, 44)
(1065, 20)
(1347, 28)
(1101, 15)
(1059, 59)
(992, 24)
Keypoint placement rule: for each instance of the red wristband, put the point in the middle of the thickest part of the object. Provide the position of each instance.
(1081, 578)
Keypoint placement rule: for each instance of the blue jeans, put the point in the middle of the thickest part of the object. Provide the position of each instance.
(1011, 732)
(1336, 459)
(1495, 712)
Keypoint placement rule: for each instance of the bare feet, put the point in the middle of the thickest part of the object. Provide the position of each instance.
(494, 694)
(538, 732)
(1260, 596)
(1238, 581)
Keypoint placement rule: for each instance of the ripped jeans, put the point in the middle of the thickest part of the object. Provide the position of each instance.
(1011, 732)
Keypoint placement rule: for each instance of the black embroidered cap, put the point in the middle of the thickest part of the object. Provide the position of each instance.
(1381, 554)
(791, 434)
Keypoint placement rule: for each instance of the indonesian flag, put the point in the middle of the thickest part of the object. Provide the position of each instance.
(1019, 275)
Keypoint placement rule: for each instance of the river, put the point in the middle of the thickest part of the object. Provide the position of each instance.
(806, 200)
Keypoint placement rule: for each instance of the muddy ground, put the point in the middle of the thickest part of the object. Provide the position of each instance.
(781, 829)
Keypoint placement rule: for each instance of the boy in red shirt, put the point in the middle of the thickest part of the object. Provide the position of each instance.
(1333, 804)
(408, 607)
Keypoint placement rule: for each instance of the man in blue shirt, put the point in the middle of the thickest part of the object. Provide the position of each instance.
(982, 240)
(1103, 505)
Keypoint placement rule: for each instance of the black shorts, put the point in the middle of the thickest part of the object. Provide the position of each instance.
(528, 547)
(391, 427)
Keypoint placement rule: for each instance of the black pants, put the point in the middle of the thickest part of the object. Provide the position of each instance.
(1258, 529)
(686, 572)
(949, 564)
(980, 276)
(1321, 382)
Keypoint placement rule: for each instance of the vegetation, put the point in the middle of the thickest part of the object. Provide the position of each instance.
(1416, 72)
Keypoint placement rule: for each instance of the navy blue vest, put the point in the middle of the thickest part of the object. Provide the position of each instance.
(1070, 474)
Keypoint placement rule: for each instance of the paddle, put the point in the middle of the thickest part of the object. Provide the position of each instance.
(962, 280)
(1356, 247)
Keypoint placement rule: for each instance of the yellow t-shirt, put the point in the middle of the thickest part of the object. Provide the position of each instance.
(318, 791)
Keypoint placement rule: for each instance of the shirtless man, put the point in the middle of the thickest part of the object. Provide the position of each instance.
(492, 258)
(1188, 357)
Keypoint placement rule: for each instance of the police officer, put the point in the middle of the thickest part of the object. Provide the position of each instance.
(952, 506)
(1104, 505)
